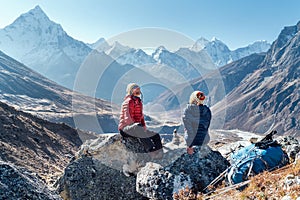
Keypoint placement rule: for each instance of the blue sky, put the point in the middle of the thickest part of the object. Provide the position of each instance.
(236, 22)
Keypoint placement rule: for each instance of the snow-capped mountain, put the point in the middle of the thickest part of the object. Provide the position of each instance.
(171, 68)
(200, 44)
(222, 55)
(43, 45)
(136, 57)
(190, 63)
(256, 47)
(117, 50)
(175, 62)
(123, 54)
(46, 48)
(219, 52)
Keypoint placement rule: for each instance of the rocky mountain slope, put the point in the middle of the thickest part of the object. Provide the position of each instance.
(269, 95)
(35, 144)
(19, 183)
(31, 92)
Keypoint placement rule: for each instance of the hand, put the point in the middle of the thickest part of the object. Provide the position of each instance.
(145, 128)
(190, 150)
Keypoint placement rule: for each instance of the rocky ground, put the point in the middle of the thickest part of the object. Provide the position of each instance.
(19, 183)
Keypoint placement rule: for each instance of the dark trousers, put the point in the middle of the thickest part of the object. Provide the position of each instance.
(149, 139)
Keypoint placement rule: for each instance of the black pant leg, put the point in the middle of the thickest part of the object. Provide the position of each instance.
(157, 141)
(148, 144)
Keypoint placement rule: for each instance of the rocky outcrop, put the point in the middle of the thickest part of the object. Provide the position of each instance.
(194, 171)
(118, 168)
(18, 183)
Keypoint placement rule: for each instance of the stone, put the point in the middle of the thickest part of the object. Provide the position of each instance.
(291, 146)
(193, 171)
(88, 178)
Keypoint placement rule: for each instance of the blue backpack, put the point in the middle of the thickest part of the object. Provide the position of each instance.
(254, 159)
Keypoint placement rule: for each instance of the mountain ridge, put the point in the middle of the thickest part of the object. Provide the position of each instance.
(269, 97)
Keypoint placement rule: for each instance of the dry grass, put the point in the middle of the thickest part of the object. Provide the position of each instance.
(267, 185)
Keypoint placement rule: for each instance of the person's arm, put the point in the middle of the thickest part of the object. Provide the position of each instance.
(128, 112)
(187, 122)
(143, 123)
(207, 118)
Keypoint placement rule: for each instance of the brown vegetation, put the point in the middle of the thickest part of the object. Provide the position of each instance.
(267, 185)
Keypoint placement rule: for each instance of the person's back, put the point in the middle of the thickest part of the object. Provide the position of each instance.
(196, 120)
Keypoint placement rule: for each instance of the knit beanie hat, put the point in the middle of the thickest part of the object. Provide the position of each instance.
(197, 97)
(131, 87)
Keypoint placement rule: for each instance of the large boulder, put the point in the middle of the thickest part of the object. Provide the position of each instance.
(194, 171)
(19, 183)
(88, 178)
(104, 168)
(123, 154)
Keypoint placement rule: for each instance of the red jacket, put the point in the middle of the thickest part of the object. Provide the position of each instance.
(131, 112)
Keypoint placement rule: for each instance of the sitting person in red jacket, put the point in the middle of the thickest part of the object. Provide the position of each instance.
(132, 122)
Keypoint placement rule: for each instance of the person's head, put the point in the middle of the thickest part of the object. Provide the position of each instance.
(133, 89)
(197, 98)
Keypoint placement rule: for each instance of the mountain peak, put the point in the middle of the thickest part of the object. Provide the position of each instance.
(37, 9)
(200, 44)
(120, 47)
(36, 12)
(216, 40)
(161, 48)
(101, 45)
(35, 17)
(202, 39)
